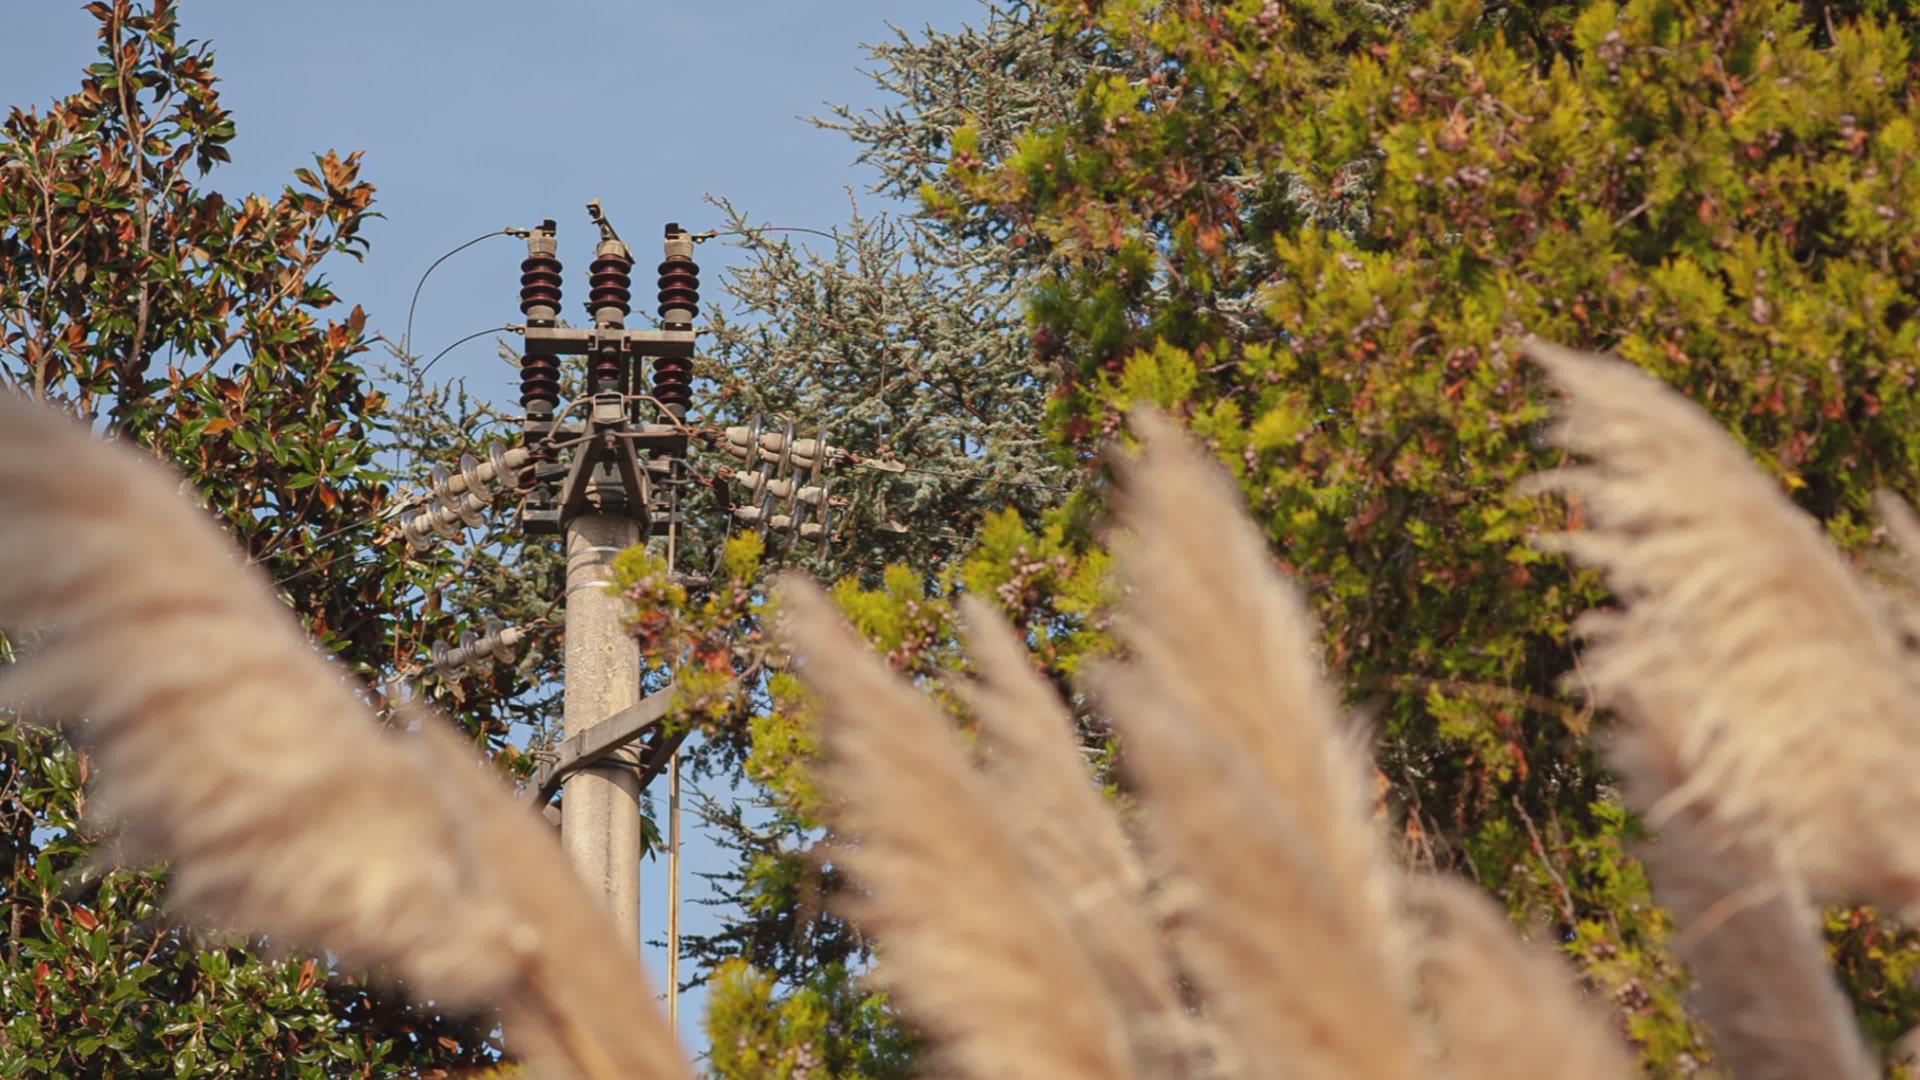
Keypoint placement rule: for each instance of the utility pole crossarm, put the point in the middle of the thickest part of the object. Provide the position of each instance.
(586, 748)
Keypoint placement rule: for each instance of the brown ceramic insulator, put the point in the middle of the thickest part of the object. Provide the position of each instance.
(612, 281)
(539, 384)
(607, 370)
(539, 283)
(673, 380)
(679, 285)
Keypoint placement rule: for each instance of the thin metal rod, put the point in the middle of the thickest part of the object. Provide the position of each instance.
(673, 793)
(673, 892)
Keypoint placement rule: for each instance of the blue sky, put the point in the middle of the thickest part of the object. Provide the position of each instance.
(486, 113)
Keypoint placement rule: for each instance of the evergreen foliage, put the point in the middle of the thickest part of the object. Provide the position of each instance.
(1318, 232)
(1719, 193)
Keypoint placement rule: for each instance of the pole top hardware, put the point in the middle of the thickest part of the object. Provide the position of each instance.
(605, 469)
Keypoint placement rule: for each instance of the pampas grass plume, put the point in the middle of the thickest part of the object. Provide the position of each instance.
(227, 746)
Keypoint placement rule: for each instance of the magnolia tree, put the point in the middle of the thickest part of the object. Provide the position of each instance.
(199, 327)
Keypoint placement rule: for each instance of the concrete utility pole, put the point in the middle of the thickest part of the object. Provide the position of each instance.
(602, 473)
(600, 804)
(628, 449)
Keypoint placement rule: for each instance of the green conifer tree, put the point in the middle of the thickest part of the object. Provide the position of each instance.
(1719, 193)
(1318, 233)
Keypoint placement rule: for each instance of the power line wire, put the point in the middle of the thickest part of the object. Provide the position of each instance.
(428, 366)
(406, 338)
(754, 230)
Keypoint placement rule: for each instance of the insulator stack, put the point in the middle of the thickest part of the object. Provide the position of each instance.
(540, 302)
(495, 646)
(819, 497)
(540, 277)
(479, 476)
(679, 291)
(735, 441)
(458, 498)
(607, 370)
(679, 302)
(611, 277)
(673, 382)
(539, 384)
(788, 518)
(772, 444)
(540, 288)
(679, 281)
(443, 520)
(782, 480)
(612, 281)
(806, 451)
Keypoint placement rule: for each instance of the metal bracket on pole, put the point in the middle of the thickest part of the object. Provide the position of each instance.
(573, 341)
(590, 747)
(605, 444)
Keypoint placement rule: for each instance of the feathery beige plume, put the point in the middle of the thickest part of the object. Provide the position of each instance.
(1255, 780)
(1211, 624)
(1287, 963)
(1032, 753)
(1903, 527)
(1072, 840)
(586, 1001)
(989, 893)
(1748, 936)
(1896, 568)
(1505, 1010)
(226, 745)
(1746, 643)
(976, 951)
